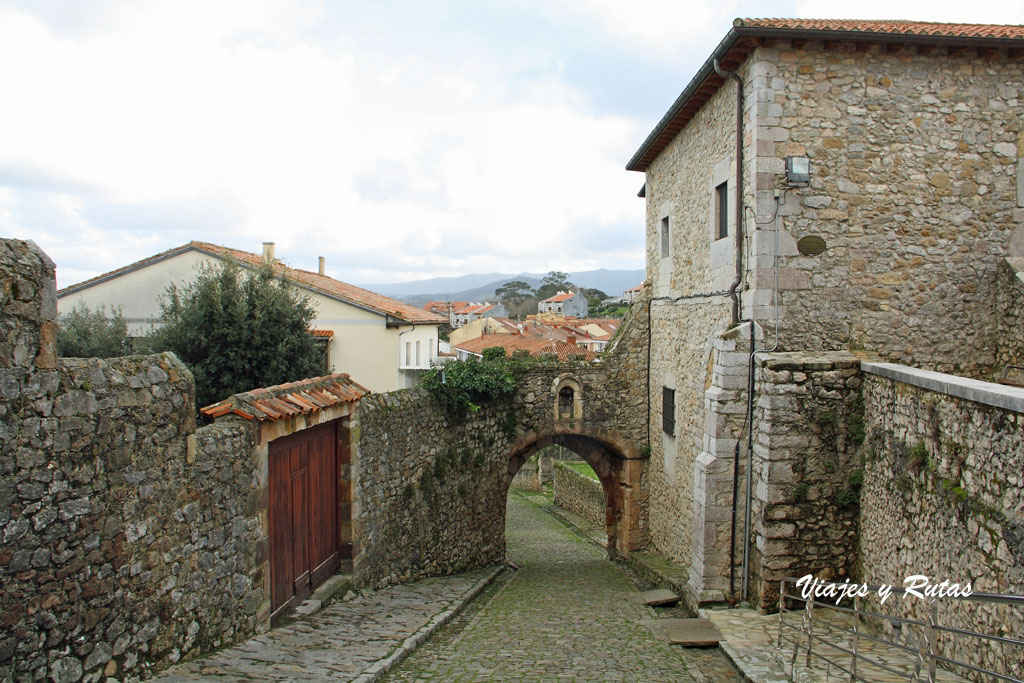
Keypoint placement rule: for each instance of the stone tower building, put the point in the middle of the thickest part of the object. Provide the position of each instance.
(843, 186)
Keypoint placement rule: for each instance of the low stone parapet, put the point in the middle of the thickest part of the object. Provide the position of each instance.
(579, 493)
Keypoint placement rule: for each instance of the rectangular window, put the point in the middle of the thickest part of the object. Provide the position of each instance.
(668, 411)
(408, 353)
(664, 237)
(418, 356)
(722, 211)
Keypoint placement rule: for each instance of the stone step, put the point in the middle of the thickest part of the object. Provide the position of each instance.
(656, 598)
(695, 632)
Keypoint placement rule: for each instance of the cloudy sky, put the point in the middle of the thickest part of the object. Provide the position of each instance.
(400, 139)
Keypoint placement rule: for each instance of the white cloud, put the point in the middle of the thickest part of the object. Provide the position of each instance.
(979, 12)
(662, 28)
(255, 106)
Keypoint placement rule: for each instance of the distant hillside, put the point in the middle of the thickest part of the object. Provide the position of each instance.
(481, 286)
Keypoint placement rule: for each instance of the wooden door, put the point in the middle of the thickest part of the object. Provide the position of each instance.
(303, 514)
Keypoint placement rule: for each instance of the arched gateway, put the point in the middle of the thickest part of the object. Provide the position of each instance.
(618, 465)
(430, 490)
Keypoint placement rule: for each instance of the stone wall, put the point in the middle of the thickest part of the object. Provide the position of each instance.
(128, 540)
(430, 492)
(807, 470)
(579, 493)
(529, 476)
(689, 305)
(913, 188)
(1010, 306)
(943, 496)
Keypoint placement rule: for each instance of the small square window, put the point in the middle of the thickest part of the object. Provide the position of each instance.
(722, 211)
(664, 237)
(668, 411)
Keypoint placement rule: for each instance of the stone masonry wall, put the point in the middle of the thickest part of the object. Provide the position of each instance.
(529, 476)
(689, 305)
(914, 156)
(806, 471)
(430, 492)
(1010, 306)
(579, 493)
(127, 539)
(943, 496)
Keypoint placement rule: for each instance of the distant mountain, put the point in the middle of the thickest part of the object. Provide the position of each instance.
(481, 286)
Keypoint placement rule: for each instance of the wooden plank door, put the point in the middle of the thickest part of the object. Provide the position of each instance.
(303, 514)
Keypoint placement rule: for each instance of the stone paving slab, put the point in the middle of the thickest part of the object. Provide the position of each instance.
(656, 597)
(750, 640)
(355, 640)
(565, 615)
(695, 632)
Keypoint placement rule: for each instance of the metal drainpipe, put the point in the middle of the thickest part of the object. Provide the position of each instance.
(734, 288)
(734, 294)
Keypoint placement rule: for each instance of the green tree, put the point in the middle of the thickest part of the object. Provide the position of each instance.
(92, 334)
(517, 297)
(239, 331)
(594, 299)
(554, 282)
(514, 292)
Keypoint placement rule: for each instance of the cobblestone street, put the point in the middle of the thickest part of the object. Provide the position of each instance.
(564, 615)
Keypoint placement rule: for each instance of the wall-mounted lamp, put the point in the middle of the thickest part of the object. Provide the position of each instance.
(798, 170)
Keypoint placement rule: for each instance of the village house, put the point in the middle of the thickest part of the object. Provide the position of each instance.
(632, 294)
(385, 343)
(566, 304)
(535, 346)
(482, 326)
(846, 186)
(475, 311)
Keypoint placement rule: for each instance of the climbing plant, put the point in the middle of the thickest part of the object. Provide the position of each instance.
(462, 387)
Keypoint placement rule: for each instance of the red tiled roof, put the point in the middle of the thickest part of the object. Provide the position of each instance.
(560, 297)
(291, 399)
(536, 346)
(320, 283)
(896, 26)
(322, 333)
(745, 34)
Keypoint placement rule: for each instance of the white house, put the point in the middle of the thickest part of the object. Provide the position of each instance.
(566, 304)
(383, 343)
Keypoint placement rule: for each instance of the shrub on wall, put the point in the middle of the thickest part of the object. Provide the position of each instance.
(462, 387)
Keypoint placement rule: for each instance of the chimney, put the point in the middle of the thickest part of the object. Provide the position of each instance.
(322, 261)
(268, 253)
(571, 339)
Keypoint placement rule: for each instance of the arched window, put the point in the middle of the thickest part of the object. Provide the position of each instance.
(566, 399)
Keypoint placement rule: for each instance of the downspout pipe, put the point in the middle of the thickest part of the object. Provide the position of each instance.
(734, 294)
(734, 288)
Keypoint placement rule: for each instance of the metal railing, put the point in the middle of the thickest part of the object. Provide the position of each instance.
(923, 657)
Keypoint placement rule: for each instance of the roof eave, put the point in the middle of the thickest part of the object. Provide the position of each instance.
(640, 160)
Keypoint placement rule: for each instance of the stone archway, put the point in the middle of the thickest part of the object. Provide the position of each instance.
(619, 467)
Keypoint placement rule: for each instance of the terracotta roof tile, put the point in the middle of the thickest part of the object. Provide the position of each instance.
(536, 346)
(322, 283)
(737, 45)
(291, 399)
(900, 27)
(560, 297)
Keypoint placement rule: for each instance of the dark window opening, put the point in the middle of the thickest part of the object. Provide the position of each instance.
(722, 211)
(664, 237)
(566, 398)
(668, 411)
